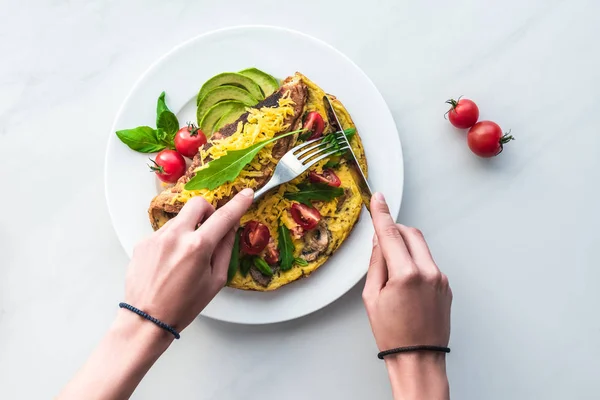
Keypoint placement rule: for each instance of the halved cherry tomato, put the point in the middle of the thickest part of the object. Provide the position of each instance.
(169, 165)
(271, 253)
(306, 217)
(255, 237)
(188, 139)
(314, 123)
(328, 177)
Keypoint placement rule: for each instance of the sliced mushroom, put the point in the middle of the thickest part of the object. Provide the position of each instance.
(260, 278)
(342, 199)
(316, 242)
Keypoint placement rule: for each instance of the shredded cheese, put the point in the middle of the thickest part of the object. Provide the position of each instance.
(262, 124)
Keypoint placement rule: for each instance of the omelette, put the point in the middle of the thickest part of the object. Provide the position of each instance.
(312, 231)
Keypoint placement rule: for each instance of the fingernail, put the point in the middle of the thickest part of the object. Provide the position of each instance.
(247, 192)
(379, 197)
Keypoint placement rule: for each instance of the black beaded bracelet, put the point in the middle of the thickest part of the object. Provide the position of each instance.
(407, 349)
(150, 318)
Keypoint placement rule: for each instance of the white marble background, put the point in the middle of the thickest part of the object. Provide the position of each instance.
(518, 235)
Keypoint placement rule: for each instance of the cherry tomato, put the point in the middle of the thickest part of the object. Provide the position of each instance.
(463, 114)
(271, 253)
(314, 123)
(169, 166)
(486, 139)
(328, 177)
(255, 237)
(188, 139)
(306, 217)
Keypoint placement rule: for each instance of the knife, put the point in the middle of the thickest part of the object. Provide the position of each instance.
(357, 174)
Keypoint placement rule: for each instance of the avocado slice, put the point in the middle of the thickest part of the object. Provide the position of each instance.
(208, 121)
(223, 93)
(267, 83)
(233, 79)
(229, 117)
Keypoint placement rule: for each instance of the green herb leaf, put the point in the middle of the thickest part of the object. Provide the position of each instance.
(262, 266)
(166, 120)
(245, 265)
(234, 262)
(227, 167)
(314, 192)
(300, 261)
(143, 139)
(332, 163)
(286, 247)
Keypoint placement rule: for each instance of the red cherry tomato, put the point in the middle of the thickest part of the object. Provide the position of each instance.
(486, 139)
(328, 177)
(271, 253)
(169, 166)
(314, 123)
(255, 237)
(188, 139)
(306, 217)
(463, 114)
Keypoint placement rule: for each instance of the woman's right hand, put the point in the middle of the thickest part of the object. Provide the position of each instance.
(408, 302)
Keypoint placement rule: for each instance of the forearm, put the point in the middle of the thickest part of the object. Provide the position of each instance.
(418, 376)
(120, 361)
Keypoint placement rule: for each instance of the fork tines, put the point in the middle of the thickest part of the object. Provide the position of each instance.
(315, 150)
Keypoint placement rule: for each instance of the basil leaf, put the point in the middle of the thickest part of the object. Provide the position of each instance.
(227, 167)
(331, 164)
(286, 247)
(301, 262)
(245, 265)
(166, 120)
(262, 266)
(314, 192)
(234, 262)
(143, 139)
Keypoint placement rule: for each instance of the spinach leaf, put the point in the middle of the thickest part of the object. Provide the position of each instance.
(245, 265)
(143, 139)
(286, 247)
(262, 266)
(308, 192)
(234, 262)
(227, 167)
(300, 261)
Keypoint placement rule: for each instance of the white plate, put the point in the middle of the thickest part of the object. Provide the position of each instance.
(280, 52)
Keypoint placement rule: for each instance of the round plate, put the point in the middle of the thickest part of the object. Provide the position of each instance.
(280, 52)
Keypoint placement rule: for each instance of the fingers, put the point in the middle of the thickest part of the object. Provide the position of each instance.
(221, 257)
(226, 218)
(395, 252)
(193, 212)
(417, 247)
(377, 275)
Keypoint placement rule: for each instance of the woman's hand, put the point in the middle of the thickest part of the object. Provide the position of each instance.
(173, 275)
(408, 302)
(177, 271)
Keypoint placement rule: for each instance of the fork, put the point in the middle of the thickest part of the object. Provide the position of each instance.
(300, 158)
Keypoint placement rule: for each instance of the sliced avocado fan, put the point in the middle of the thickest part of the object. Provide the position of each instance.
(267, 83)
(229, 117)
(208, 122)
(233, 79)
(223, 93)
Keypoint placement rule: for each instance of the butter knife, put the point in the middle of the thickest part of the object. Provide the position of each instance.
(357, 174)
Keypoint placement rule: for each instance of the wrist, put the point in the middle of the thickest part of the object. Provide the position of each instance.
(140, 333)
(418, 375)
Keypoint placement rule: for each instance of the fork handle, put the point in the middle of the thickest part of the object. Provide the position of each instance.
(273, 182)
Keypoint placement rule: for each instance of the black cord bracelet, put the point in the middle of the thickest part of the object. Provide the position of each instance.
(407, 349)
(150, 318)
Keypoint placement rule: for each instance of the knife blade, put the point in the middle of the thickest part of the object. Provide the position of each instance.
(357, 173)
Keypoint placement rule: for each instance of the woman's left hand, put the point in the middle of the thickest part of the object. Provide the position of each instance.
(178, 270)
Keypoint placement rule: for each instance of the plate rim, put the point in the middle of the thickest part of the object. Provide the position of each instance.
(216, 32)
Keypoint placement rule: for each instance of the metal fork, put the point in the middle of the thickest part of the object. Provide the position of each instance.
(300, 158)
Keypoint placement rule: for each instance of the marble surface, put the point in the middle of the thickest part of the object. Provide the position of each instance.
(517, 235)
